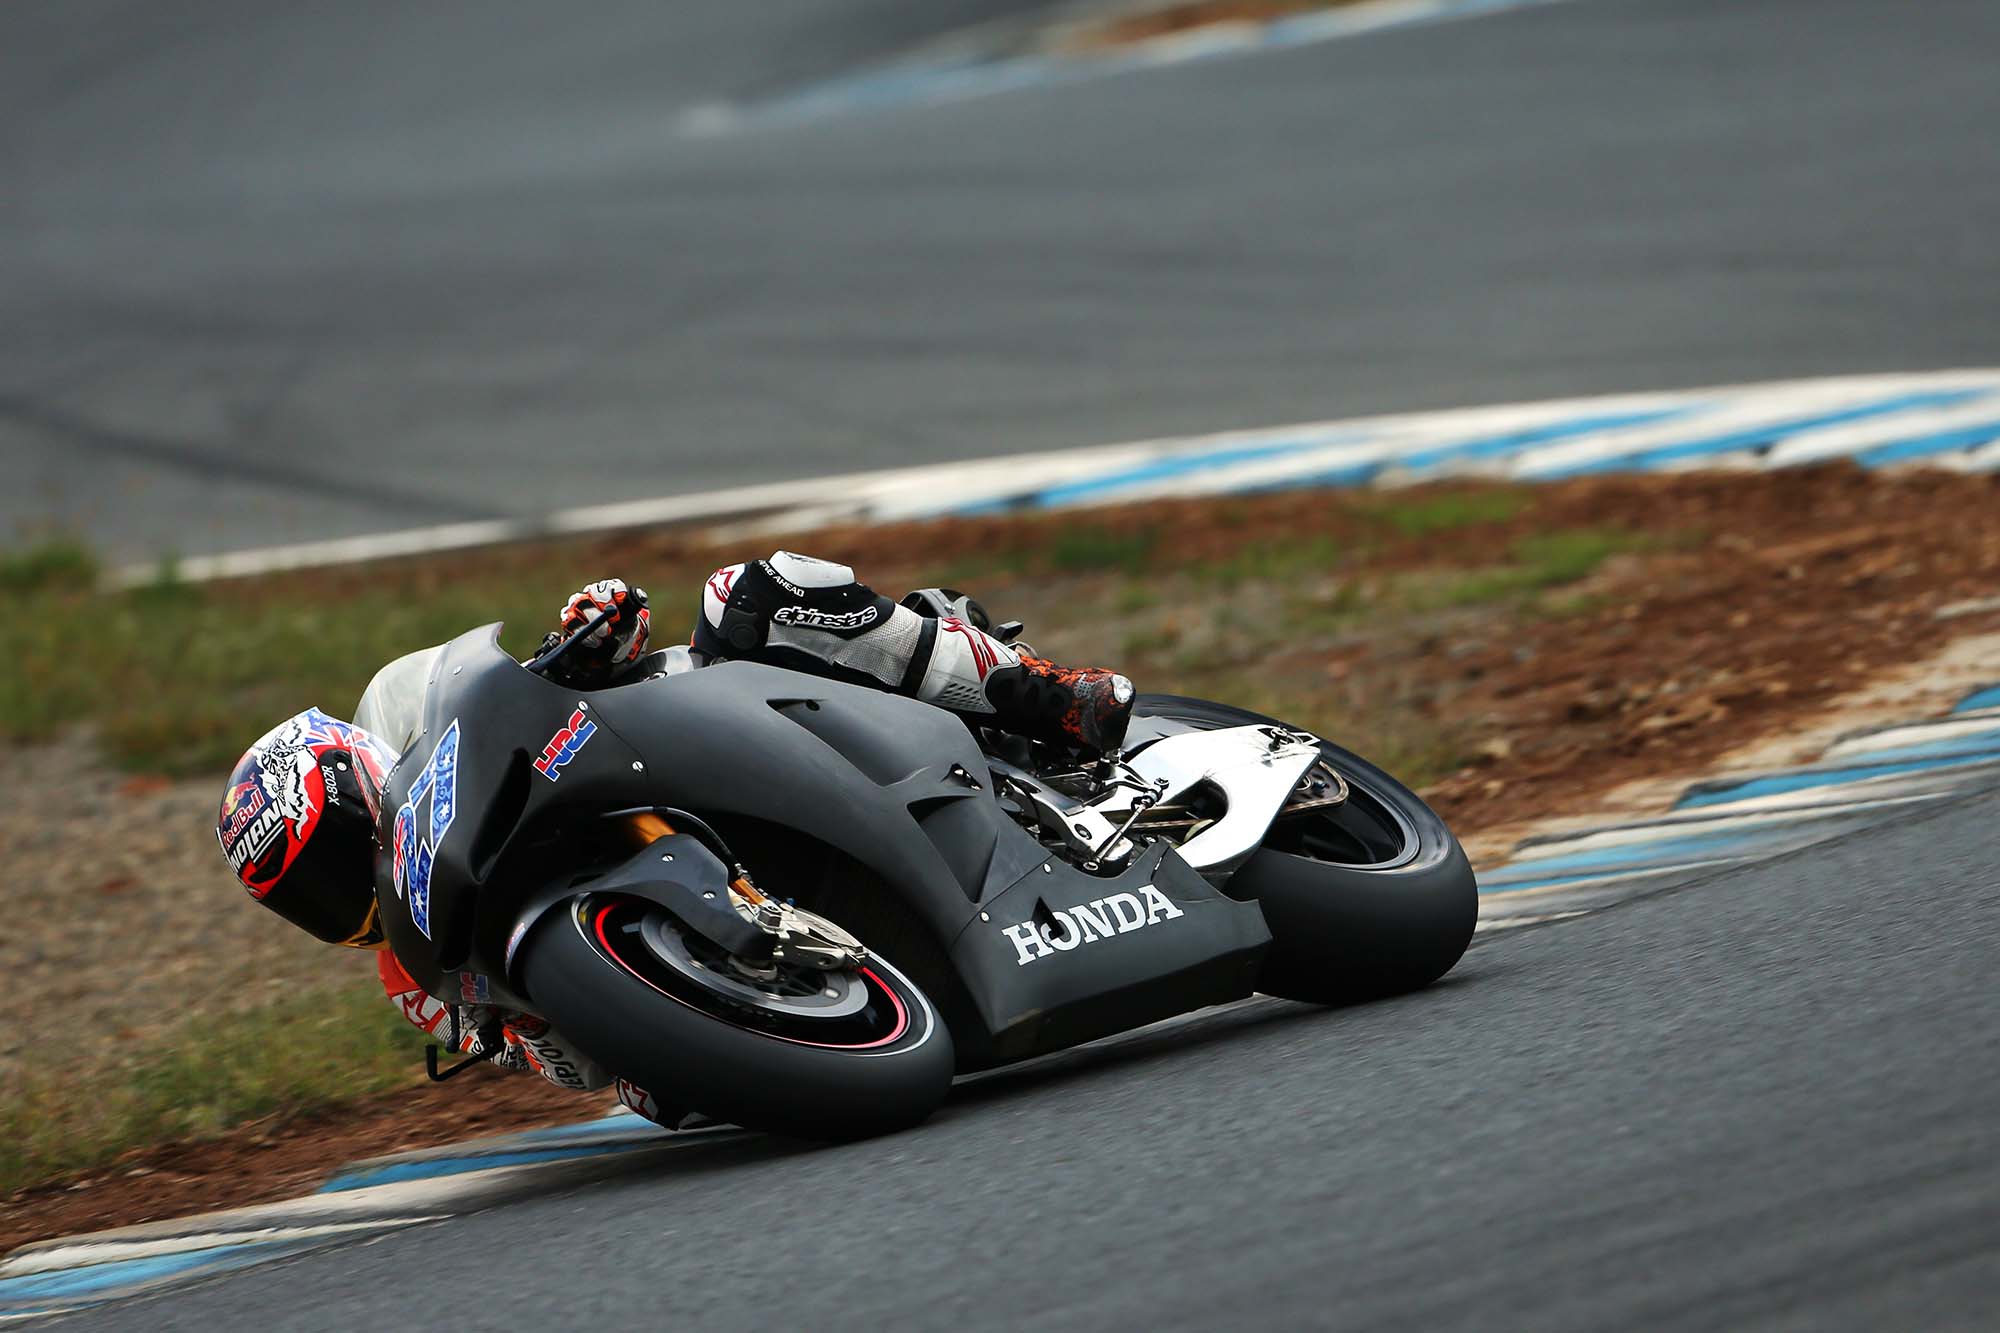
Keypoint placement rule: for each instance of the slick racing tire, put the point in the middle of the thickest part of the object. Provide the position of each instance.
(1374, 897)
(810, 1055)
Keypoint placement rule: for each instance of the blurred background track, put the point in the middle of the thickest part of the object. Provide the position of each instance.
(274, 274)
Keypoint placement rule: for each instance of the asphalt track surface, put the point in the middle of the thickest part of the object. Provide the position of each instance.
(1771, 1099)
(273, 273)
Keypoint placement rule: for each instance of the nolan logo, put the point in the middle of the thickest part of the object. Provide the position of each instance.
(1118, 914)
(253, 842)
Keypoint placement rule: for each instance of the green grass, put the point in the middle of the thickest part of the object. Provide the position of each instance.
(1405, 517)
(1090, 549)
(1566, 555)
(1390, 729)
(1134, 597)
(48, 566)
(1244, 657)
(1347, 603)
(1541, 561)
(1151, 642)
(1537, 563)
(1283, 559)
(1423, 515)
(302, 1054)
(181, 678)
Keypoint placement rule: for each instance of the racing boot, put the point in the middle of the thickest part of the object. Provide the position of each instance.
(1085, 708)
(974, 671)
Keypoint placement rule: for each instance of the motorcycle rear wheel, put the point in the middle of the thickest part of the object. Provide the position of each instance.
(1371, 899)
(823, 1056)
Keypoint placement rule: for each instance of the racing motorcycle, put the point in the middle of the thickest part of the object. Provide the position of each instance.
(802, 906)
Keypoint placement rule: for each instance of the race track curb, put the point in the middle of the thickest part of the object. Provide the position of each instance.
(362, 1199)
(1945, 419)
(1861, 779)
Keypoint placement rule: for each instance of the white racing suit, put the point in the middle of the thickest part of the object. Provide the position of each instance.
(793, 611)
(811, 615)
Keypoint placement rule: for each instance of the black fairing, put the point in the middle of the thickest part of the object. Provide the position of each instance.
(899, 787)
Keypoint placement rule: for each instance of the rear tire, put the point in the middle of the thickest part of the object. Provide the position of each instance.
(1341, 932)
(882, 1067)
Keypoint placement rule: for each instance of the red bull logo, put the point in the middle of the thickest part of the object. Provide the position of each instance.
(240, 804)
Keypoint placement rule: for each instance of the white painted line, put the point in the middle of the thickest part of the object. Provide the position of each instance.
(1921, 733)
(1487, 925)
(1853, 437)
(1502, 899)
(1985, 459)
(314, 1210)
(84, 1252)
(1776, 405)
(1699, 824)
(1938, 778)
(398, 1203)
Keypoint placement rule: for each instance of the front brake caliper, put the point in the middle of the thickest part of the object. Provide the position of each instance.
(798, 936)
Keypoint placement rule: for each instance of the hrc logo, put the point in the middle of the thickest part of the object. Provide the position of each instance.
(563, 746)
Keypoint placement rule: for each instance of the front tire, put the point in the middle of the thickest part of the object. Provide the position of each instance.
(1382, 903)
(623, 981)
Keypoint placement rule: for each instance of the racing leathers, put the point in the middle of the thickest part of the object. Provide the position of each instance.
(511, 1039)
(811, 615)
(789, 610)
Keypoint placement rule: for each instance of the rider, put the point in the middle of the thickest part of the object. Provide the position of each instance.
(298, 817)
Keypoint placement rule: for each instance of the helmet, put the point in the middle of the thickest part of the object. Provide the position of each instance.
(298, 825)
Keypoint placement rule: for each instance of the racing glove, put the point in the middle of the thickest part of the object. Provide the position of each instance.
(614, 646)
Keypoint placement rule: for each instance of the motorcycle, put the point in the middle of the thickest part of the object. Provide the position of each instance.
(803, 906)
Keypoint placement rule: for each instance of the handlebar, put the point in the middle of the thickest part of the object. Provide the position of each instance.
(539, 664)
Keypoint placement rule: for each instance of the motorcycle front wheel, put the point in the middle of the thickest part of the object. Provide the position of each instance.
(784, 1048)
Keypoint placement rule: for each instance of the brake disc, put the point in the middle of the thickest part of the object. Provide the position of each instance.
(799, 991)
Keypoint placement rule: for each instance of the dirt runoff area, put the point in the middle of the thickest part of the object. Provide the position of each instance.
(1735, 611)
